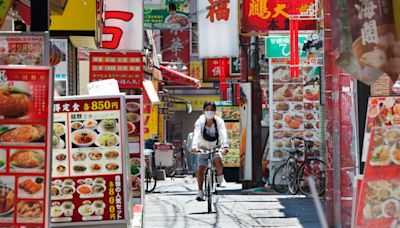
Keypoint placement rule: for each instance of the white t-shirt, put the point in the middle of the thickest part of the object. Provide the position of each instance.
(199, 141)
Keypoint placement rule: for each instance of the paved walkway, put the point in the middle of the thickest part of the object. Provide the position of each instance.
(174, 205)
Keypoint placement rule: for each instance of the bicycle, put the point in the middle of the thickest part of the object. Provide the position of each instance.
(179, 164)
(210, 177)
(311, 167)
(285, 177)
(150, 170)
(295, 176)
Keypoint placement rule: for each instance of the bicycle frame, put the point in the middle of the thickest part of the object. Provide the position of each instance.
(209, 177)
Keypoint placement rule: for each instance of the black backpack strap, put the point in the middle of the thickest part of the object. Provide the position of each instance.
(216, 130)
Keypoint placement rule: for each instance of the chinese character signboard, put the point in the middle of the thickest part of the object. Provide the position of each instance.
(134, 113)
(24, 49)
(213, 68)
(175, 47)
(89, 179)
(264, 15)
(279, 46)
(126, 68)
(123, 28)
(378, 204)
(174, 16)
(25, 145)
(375, 43)
(218, 28)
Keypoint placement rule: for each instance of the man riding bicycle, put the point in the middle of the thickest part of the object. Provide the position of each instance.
(209, 133)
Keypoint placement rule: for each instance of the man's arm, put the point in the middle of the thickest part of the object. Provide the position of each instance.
(223, 136)
(196, 135)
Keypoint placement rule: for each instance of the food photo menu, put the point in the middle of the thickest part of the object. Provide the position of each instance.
(25, 140)
(136, 146)
(379, 201)
(294, 110)
(88, 182)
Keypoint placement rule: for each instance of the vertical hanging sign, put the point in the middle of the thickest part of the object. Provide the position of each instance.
(218, 28)
(123, 28)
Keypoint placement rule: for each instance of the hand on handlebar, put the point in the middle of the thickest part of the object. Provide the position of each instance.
(224, 151)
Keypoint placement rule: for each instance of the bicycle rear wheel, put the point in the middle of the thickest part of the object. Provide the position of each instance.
(150, 181)
(280, 181)
(316, 169)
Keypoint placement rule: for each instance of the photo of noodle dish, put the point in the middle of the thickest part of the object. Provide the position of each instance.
(22, 133)
(83, 137)
(107, 139)
(108, 125)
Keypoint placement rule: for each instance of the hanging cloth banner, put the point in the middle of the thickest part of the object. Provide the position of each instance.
(222, 78)
(294, 52)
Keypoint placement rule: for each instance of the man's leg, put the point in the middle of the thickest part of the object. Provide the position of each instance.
(218, 165)
(200, 176)
(200, 179)
(219, 168)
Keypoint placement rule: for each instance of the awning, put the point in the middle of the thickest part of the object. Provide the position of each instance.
(175, 77)
(151, 92)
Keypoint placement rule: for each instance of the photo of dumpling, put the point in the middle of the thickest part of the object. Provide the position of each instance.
(376, 58)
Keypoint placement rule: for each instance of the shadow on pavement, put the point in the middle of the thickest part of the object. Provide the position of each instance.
(303, 209)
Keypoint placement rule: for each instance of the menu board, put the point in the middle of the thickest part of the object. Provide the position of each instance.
(25, 128)
(134, 112)
(232, 159)
(125, 67)
(379, 202)
(23, 49)
(382, 111)
(228, 112)
(294, 109)
(88, 177)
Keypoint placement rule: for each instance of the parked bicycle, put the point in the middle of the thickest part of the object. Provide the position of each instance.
(284, 178)
(150, 170)
(210, 177)
(179, 164)
(293, 174)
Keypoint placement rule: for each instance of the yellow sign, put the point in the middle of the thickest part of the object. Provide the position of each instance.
(150, 116)
(197, 102)
(196, 69)
(396, 15)
(77, 16)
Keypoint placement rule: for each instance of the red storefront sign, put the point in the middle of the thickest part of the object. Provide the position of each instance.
(25, 136)
(263, 15)
(176, 46)
(88, 179)
(214, 68)
(379, 201)
(126, 68)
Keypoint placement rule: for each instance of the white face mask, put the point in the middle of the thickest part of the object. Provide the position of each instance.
(209, 114)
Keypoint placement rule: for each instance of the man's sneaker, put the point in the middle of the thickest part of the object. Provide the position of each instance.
(221, 181)
(200, 196)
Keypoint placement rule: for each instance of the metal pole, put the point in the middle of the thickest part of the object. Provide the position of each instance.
(257, 152)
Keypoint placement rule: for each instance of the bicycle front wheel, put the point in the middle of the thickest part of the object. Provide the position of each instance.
(208, 184)
(292, 177)
(315, 169)
(280, 179)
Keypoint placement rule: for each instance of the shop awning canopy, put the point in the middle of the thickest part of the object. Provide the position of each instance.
(175, 77)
